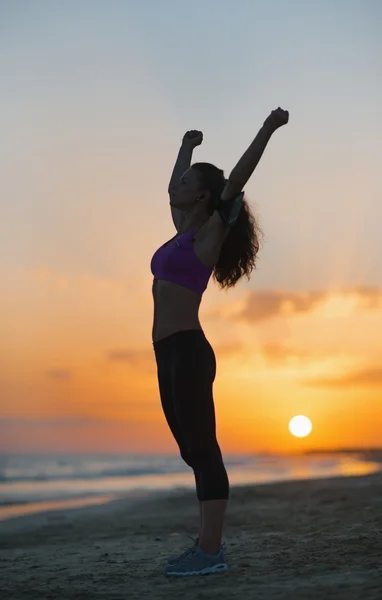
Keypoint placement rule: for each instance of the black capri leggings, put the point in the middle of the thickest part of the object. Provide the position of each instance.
(186, 372)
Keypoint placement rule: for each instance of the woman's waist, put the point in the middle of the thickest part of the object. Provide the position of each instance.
(160, 334)
(175, 299)
(175, 309)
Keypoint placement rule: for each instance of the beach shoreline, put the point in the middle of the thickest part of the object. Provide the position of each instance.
(297, 540)
(59, 495)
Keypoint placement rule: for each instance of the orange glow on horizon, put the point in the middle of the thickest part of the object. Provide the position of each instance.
(86, 384)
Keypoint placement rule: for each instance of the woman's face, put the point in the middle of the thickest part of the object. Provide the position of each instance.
(186, 193)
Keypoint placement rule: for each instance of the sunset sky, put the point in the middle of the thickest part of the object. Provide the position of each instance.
(95, 98)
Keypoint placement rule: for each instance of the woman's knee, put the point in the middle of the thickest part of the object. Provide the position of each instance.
(204, 458)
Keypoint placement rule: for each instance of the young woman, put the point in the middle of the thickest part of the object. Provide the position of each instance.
(216, 234)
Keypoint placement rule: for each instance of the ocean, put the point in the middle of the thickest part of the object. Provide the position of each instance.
(32, 483)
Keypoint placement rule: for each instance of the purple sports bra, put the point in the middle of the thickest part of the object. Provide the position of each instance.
(177, 262)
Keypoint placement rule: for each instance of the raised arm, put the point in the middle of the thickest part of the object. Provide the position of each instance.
(227, 211)
(191, 139)
(241, 173)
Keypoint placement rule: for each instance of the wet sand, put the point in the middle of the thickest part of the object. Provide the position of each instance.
(299, 540)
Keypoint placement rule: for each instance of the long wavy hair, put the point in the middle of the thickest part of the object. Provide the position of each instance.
(240, 248)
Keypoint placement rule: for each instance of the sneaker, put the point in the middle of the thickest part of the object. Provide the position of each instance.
(198, 562)
(174, 559)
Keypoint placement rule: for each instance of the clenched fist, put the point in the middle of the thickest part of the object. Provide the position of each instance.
(193, 138)
(277, 118)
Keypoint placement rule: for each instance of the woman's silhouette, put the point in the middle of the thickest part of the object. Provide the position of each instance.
(216, 235)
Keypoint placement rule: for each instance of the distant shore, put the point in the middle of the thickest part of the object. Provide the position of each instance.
(45, 490)
(365, 453)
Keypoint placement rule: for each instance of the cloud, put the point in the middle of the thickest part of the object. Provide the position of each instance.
(224, 350)
(278, 354)
(264, 305)
(58, 374)
(361, 378)
(267, 304)
(142, 360)
(368, 296)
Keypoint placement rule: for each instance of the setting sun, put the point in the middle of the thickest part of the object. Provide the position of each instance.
(300, 426)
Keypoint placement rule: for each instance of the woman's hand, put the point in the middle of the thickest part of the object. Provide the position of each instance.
(192, 138)
(276, 119)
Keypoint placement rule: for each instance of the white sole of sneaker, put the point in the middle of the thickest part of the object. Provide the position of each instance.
(215, 569)
(172, 562)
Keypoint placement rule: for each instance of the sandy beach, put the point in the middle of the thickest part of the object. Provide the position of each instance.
(315, 539)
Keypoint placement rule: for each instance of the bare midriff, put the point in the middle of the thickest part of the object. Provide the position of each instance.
(176, 308)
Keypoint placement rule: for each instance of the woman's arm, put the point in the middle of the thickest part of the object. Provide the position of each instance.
(191, 139)
(241, 173)
(214, 232)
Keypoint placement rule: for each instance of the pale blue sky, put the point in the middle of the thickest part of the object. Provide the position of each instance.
(95, 97)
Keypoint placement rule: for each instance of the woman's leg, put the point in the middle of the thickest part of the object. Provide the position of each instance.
(193, 379)
(213, 512)
(165, 383)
